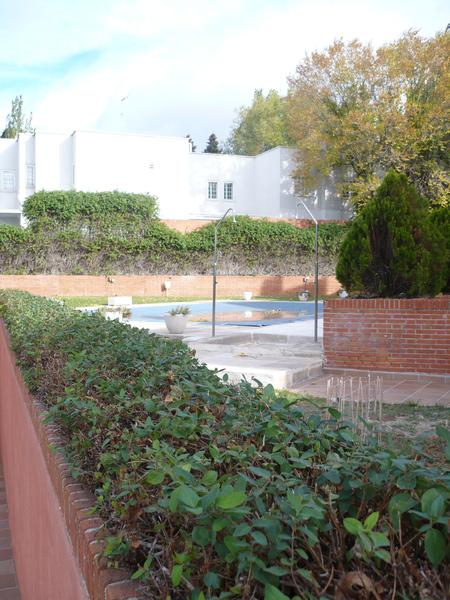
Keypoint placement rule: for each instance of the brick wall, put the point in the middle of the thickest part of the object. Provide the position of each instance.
(388, 335)
(56, 540)
(152, 285)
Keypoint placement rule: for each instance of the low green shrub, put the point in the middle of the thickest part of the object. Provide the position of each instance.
(393, 247)
(216, 491)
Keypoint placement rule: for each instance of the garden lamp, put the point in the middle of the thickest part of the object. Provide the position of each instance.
(230, 210)
(316, 279)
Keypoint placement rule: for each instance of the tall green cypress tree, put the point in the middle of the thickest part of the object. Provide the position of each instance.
(393, 248)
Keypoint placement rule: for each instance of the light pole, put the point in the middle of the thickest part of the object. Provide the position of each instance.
(230, 210)
(316, 278)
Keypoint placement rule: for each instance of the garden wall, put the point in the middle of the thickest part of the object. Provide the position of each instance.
(56, 541)
(388, 335)
(152, 285)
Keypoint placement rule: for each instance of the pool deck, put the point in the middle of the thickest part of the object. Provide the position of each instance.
(283, 355)
(287, 356)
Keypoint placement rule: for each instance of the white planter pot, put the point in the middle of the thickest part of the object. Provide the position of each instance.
(343, 294)
(176, 323)
(247, 295)
(303, 296)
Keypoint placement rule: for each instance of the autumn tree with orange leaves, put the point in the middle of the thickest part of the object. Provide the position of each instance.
(359, 112)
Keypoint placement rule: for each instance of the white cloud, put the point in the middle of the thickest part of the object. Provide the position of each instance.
(185, 66)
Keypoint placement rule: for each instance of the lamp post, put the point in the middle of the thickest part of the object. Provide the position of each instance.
(230, 210)
(316, 278)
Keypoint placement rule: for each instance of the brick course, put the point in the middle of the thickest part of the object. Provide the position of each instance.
(152, 285)
(57, 542)
(407, 335)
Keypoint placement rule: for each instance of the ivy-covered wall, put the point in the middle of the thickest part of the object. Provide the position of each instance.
(114, 233)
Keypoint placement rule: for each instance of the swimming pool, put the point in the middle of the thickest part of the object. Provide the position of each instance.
(234, 312)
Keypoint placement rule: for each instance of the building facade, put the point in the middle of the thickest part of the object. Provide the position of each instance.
(188, 185)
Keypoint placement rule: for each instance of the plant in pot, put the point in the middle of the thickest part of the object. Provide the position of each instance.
(177, 319)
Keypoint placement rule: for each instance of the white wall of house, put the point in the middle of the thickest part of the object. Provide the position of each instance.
(165, 167)
(220, 169)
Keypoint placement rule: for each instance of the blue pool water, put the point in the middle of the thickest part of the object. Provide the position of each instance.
(235, 312)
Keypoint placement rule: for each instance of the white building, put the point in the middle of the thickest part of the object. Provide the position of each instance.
(188, 185)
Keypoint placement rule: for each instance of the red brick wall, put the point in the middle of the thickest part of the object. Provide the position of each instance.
(388, 335)
(152, 285)
(56, 540)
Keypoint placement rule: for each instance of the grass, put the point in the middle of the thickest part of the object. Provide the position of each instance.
(80, 301)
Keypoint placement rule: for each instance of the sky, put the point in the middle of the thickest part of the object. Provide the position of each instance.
(173, 67)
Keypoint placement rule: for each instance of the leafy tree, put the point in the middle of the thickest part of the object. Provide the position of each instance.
(393, 248)
(16, 122)
(261, 126)
(193, 146)
(361, 111)
(212, 146)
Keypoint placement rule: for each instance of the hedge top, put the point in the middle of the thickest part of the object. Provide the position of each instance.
(65, 206)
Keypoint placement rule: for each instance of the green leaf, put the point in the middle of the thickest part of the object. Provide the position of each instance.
(201, 536)
(231, 500)
(443, 433)
(407, 482)
(219, 524)
(353, 526)
(383, 555)
(212, 580)
(273, 593)
(241, 530)
(433, 503)
(399, 504)
(259, 538)
(379, 539)
(188, 496)
(371, 521)
(177, 572)
(333, 476)
(435, 546)
(260, 472)
(209, 478)
(154, 477)
(277, 571)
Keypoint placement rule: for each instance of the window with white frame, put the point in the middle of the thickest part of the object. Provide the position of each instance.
(212, 190)
(30, 176)
(7, 181)
(228, 191)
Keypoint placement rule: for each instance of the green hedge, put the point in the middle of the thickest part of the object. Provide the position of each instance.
(77, 233)
(67, 206)
(219, 491)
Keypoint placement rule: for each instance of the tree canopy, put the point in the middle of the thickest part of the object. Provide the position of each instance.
(212, 147)
(260, 126)
(361, 111)
(16, 122)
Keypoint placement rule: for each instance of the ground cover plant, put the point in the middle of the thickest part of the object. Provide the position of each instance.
(112, 232)
(215, 491)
